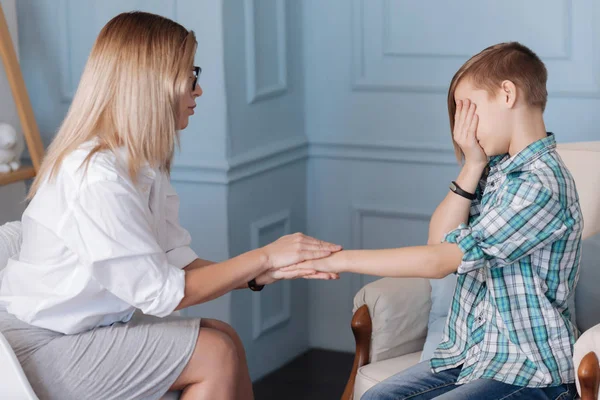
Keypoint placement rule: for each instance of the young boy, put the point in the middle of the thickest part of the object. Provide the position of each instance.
(516, 249)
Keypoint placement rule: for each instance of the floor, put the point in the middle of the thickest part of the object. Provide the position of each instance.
(315, 375)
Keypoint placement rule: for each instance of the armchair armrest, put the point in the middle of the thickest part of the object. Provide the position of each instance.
(399, 310)
(390, 320)
(586, 364)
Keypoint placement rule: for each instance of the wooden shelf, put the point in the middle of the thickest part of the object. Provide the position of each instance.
(19, 91)
(23, 173)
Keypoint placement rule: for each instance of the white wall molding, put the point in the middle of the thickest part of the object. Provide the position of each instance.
(215, 174)
(389, 51)
(572, 63)
(261, 324)
(245, 165)
(255, 92)
(407, 152)
(268, 157)
(297, 149)
(360, 212)
(242, 166)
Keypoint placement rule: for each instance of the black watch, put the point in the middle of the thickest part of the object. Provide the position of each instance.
(254, 287)
(458, 190)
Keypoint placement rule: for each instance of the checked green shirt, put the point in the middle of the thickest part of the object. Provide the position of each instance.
(509, 319)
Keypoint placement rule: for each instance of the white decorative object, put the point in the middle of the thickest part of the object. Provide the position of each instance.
(11, 147)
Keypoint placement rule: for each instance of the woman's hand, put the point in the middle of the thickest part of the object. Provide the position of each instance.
(465, 132)
(276, 274)
(293, 249)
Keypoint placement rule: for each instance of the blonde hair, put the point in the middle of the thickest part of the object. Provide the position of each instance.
(129, 94)
(504, 61)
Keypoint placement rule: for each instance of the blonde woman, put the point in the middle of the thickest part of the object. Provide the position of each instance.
(101, 238)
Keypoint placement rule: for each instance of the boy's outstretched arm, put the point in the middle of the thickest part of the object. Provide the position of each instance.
(431, 261)
(529, 218)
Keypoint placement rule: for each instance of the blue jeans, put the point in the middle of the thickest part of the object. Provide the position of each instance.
(419, 383)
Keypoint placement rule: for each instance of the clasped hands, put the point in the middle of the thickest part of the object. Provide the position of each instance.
(298, 256)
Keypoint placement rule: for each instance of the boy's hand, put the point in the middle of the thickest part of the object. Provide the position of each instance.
(327, 265)
(465, 133)
(277, 274)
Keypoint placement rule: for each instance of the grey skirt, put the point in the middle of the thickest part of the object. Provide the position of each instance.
(140, 359)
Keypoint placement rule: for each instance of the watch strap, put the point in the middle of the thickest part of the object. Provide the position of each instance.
(252, 285)
(459, 191)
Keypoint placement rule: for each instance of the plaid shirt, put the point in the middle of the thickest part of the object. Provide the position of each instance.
(509, 320)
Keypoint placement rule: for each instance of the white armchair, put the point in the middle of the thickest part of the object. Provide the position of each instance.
(390, 326)
(391, 314)
(13, 382)
(394, 336)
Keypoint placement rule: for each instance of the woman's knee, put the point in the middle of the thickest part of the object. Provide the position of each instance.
(225, 328)
(215, 357)
(222, 347)
(220, 326)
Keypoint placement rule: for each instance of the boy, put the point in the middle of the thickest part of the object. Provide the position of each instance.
(516, 249)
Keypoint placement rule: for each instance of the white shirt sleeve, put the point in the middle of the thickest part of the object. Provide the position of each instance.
(109, 229)
(179, 252)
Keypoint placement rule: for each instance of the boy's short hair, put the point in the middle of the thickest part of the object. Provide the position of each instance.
(504, 61)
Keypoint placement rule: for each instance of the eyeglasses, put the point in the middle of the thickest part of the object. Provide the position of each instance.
(197, 72)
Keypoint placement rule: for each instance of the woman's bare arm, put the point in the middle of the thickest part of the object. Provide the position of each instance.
(205, 281)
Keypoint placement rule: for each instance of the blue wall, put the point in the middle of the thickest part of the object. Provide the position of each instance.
(263, 64)
(267, 152)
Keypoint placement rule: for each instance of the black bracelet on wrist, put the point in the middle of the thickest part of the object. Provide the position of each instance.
(252, 285)
(459, 191)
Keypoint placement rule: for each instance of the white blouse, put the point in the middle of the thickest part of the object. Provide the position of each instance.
(96, 246)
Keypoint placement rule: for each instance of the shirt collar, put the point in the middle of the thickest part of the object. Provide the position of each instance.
(507, 164)
(145, 169)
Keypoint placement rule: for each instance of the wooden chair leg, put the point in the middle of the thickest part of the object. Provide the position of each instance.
(589, 376)
(362, 328)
